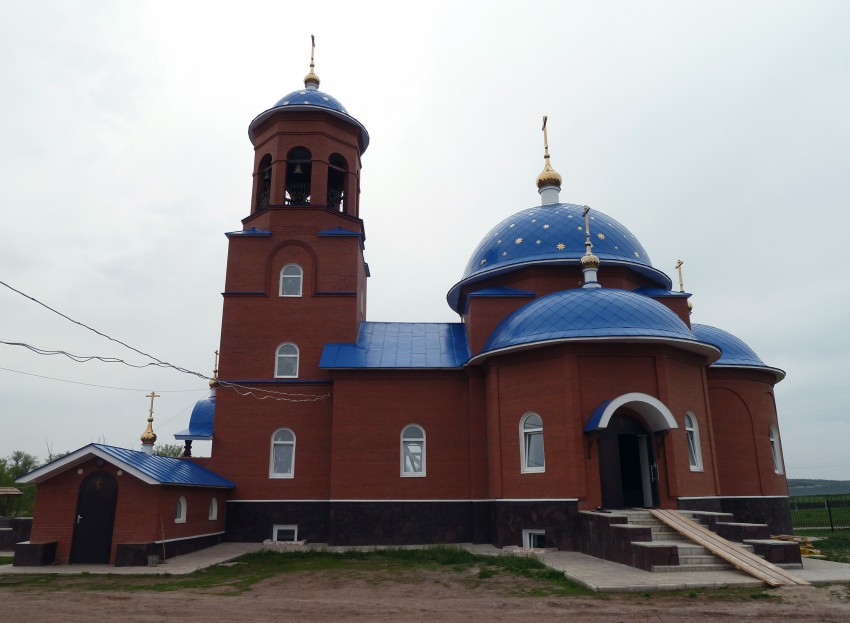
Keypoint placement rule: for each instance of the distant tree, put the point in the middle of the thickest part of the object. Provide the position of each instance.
(12, 467)
(168, 449)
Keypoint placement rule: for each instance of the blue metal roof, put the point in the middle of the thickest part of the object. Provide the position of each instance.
(502, 291)
(167, 470)
(201, 421)
(590, 313)
(401, 345)
(306, 97)
(733, 351)
(152, 469)
(253, 231)
(554, 234)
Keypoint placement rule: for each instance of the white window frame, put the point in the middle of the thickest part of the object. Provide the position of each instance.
(692, 438)
(277, 527)
(410, 440)
(300, 281)
(213, 514)
(776, 450)
(527, 537)
(181, 511)
(524, 438)
(277, 443)
(277, 358)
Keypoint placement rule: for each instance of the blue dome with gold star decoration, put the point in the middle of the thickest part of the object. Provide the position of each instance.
(554, 234)
(305, 97)
(591, 314)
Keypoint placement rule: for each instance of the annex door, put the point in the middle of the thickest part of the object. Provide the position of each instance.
(94, 519)
(627, 465)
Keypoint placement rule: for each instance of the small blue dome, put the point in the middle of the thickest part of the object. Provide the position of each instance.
(592, 313)
(555, 234)
(306, 97)
(201, 421)
(733, 351)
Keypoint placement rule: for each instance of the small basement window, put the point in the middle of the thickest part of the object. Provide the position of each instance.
(534, 539)
(285, 533)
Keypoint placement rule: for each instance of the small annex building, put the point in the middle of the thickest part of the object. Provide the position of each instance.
(574, 379)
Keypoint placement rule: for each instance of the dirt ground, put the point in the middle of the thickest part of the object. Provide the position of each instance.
(423, 595)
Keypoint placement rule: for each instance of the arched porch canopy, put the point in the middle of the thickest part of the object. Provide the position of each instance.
(654, 412)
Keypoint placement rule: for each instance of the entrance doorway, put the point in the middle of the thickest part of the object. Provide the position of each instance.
(628, 472)
(94, 519)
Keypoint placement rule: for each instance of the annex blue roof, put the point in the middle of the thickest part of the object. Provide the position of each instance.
(554, 234)
(734, 352)
(405, 345)
(592, 313)
(152, 469)
(201, 421)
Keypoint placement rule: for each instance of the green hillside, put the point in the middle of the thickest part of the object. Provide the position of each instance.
(802, 486)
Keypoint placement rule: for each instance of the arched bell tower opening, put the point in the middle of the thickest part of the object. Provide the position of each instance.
(299, 169)
(337, 174)
(264, 184)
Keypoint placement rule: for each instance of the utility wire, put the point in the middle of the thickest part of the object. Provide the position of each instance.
(250, 391)
(126, 389)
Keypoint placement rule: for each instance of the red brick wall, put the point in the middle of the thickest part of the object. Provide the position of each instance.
(137, 513)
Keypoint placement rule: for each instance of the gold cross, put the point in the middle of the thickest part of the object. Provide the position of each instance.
(152, 395)
(679, 268)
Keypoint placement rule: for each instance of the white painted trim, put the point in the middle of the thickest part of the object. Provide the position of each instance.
(733, 497)
(186, 538)
(417, 501)
(640, 403)
(80, 456)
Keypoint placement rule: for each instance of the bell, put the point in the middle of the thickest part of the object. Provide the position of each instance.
(298, 170)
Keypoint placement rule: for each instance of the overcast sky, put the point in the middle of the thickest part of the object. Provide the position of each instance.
(716, 131)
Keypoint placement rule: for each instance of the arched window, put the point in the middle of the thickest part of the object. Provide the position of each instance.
(776, 450)
(694, 451)
(531, 440)
(213, 509)
(283, 454)
(337, 167)
(413, 451)
(180, 514)
(291, 277)
(299, 168)
(264, 183)
(286, 364)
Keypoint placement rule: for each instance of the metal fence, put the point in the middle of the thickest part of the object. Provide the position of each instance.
(821, 513)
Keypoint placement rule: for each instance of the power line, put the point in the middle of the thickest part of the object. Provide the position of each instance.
(126, 389)
(250, 391)
(84, 358)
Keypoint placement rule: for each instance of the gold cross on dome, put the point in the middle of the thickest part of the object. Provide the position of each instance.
(152, 395)
(679, 263)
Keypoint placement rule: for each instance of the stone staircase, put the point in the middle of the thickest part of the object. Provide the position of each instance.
(636, 538)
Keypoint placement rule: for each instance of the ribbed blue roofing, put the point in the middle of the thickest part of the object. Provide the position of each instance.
(152, 469)
(401, 345)
(555, 233)
(589, 313)
(306, 97)
(166, 470)
(201, 421)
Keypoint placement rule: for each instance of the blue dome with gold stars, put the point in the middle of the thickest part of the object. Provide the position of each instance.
(582, 314)
(307, 97)
(554, 234)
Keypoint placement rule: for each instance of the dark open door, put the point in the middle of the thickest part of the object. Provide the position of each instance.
(627, 465)
(94, 519)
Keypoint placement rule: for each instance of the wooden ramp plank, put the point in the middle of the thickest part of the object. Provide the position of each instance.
(740, 558)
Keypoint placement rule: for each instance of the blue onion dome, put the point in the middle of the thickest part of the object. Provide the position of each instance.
(310, 99)
(734, 352)
(554, 234)
(593, 314)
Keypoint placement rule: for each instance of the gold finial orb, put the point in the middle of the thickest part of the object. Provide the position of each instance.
(549, 176)
(589, 261)
(149, 437)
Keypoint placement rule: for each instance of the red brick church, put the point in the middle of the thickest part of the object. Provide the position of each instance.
(573, 380)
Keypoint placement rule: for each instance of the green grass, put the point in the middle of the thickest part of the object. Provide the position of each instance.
(832, 545)
(5, 560)
(375, 567)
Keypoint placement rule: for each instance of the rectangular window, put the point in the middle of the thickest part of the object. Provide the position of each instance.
(285, 533)
(535, 539)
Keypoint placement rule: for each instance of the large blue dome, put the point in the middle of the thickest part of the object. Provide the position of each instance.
(593, 313)
(554, 234)
(733, 351)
